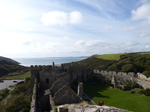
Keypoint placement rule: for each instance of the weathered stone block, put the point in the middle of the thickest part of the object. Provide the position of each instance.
(80, 89)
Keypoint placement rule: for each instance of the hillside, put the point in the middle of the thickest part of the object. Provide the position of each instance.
(127, 62)
(117, 56)
(8, 65)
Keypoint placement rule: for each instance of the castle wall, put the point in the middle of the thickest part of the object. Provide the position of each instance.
(121, 76)
(34, 98)
(141, 79)
(88, 108)
(45, 103)
(47, 78)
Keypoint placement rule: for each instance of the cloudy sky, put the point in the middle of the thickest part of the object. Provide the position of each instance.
(55, 28)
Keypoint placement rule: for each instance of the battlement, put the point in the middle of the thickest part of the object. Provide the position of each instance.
(131, 74)
(44, 67)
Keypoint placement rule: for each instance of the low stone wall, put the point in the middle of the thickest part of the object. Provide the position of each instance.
(88, 108)
(141, 79)
(34, 97)
(130, 74)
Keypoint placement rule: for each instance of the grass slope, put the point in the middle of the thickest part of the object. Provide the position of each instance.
(8, 65)
(118, 98)
(110, 56)
(22, 76)
(116, 56)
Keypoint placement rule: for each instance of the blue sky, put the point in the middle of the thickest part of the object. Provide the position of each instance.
(55, 28)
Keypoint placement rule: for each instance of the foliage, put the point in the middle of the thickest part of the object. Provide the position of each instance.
(146, 73)
(27, 79)
(23, 88)
(20, 99)
(128, 68)
(130, 85)
(18, 76)
(18, 103)
(128, 62)
(3, 93)
(8, 65)
(145, 92)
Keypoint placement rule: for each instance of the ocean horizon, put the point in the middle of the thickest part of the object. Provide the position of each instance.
(48, 60)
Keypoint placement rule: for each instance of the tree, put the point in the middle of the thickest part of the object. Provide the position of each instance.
(128, 68)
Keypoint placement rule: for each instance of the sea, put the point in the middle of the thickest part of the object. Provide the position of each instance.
(48, 60)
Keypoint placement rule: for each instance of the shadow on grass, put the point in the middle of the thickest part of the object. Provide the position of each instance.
(93, 90)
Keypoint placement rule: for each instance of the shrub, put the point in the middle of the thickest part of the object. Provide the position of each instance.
(112, 68)
(130, 85)
(18, 103)
(23, 88)
(128, 68)
(146, 73)
(3, 93)
(27, 79)
(145, 92)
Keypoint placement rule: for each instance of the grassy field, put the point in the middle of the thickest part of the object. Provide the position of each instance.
(23, 76)
(145, 53)
(110, 56)
(115, 56)
(118, 98)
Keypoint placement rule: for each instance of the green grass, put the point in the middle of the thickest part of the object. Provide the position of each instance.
(118, 98)
(116, 56)
(144, 53)
(110, 56)
(23, 76)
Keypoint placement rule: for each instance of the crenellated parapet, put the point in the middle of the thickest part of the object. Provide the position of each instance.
(41, 68)
(130, 74)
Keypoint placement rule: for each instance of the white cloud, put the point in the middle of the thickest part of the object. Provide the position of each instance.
(54, 18)
(144, 33)
(11, 17)
(108, 27)
(61, 18)
(147, 46)
(142, 12)
(131, 43)
(28, 29)
(132, 28)
(80, 42)
(75, 17)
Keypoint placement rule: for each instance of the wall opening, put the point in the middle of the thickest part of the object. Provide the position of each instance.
(47, 81)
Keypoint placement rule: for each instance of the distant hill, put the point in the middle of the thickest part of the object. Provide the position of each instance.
(8, 59)
(8, 65)
(125, 62)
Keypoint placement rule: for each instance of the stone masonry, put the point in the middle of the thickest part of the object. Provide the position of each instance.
(88, 108)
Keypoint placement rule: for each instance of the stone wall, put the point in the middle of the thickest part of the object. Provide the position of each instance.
(141, 79)
(34, 97)
(88, 108)
(122, 76)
